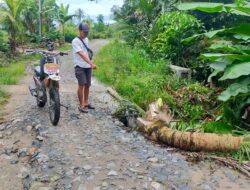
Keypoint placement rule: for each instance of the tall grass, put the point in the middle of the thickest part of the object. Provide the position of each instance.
(3, 97)
(132, 74)
(12, 72)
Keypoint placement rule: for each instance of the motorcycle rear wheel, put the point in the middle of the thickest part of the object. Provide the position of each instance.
(54, 108)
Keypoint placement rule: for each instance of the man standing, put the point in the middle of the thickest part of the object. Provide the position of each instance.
(83, 67)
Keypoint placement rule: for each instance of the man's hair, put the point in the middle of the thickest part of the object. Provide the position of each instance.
(84, 27)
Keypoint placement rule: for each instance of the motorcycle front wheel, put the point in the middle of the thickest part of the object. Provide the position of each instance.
(54, 108)
(41, 98)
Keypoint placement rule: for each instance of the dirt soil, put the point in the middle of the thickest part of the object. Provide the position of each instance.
(91, 151)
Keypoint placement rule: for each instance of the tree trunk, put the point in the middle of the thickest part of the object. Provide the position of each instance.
(13, 43)
(192, 141)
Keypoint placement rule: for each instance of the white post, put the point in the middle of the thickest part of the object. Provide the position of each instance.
(163, 7)
(40, 18)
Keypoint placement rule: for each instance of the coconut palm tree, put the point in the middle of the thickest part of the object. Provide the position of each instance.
(10, 11)
(80, 14)
(63, 16)
(30, 16)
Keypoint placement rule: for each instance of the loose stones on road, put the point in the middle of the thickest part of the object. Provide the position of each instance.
(81, 187)
(87, 167)
(156, 186)
(29, 128)
(153, 160)
(112, 173)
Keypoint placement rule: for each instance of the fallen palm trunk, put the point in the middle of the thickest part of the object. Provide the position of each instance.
(192, 141)
(157, 127)
(113, 93)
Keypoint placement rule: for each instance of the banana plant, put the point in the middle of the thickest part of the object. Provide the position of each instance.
(229, 54)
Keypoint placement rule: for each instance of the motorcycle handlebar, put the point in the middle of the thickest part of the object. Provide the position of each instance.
(52, 53)
(62, 54)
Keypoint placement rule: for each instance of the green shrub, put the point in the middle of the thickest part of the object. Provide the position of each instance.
(3, 42)
(52, 34)
(173, 28)
(97, 35)
(70, 33)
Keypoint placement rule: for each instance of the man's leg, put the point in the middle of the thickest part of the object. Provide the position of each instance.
(86, 95)
(80, 95)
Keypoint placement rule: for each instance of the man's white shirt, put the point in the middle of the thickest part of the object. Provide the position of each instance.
(78, 46)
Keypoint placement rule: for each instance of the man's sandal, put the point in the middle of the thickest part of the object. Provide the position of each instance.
(89, 106)
(83, 109)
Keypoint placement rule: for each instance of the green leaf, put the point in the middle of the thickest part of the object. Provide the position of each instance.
(241, 37)
(213, 74)
(227, 47)
(238, 11)
(219, 66)
(191, 38)
(201, 6)
(217, 127)
(235, 89)
(243, 29)
(224, 47)
(211, 34)
(236, 70)
(215, 56)
(215, 8)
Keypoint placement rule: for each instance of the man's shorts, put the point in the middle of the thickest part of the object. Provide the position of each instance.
(83, 76)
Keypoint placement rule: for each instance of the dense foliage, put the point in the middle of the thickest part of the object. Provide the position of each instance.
(142, 81)
(229, 57)
(20, 20)
(212, 39)
(173, 28)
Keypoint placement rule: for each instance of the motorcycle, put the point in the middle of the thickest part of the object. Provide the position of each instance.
(46, 78)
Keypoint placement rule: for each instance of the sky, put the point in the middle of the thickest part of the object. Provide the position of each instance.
(92, 8)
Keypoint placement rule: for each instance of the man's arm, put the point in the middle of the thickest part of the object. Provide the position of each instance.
(85, 58)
